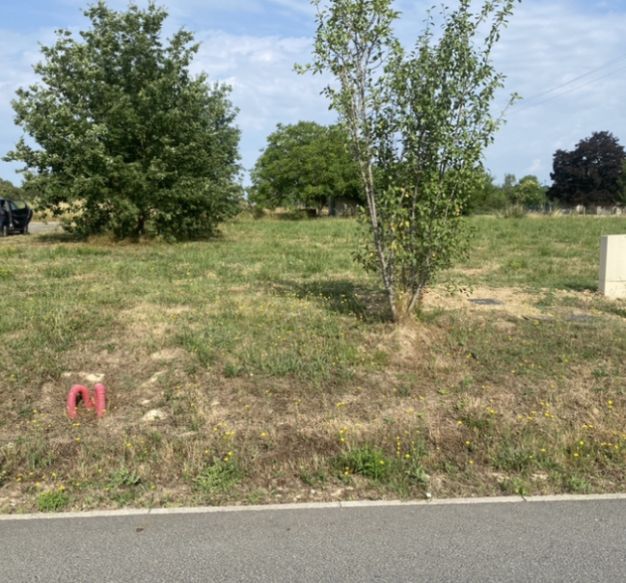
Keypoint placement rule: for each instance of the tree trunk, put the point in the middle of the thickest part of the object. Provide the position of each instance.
(141, 225)
(385, 269)
(416, 300)
(332, 209)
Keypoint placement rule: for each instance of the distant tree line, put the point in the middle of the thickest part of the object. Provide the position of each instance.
(309, 165)
(527, 193)
(592, 174)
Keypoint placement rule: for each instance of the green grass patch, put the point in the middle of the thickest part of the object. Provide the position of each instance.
(53, 501)
(218, 477)
(259, 367)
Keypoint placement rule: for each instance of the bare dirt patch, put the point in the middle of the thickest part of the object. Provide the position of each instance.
(510, 301)
(168, 355)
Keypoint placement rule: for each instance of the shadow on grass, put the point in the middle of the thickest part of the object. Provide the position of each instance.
(54, 238)
(366, 303)
(296, 216)
(579, 286)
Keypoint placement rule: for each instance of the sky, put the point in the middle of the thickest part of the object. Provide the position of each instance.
(566, 58)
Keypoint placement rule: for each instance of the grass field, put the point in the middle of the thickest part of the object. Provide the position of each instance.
(259, 368)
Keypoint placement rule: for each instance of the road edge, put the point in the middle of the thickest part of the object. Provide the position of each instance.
(312, 506)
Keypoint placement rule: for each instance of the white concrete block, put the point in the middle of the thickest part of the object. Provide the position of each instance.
(613, 266)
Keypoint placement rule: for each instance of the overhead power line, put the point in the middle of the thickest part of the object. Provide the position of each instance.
(572, 85)
(578, 78)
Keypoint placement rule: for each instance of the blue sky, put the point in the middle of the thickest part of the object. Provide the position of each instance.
(253, 44)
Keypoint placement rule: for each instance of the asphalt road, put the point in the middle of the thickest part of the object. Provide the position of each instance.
(523, 542)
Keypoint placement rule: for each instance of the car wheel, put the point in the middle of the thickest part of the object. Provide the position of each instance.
(25, 230)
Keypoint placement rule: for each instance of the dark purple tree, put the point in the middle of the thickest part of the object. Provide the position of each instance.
(591, 174)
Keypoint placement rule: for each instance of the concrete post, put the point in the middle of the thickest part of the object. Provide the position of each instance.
(613, 266)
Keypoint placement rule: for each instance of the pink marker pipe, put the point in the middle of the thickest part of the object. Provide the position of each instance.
(101, 399)
(72, 398)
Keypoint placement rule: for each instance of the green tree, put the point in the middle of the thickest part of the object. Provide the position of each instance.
(418, 123)
(486, 196)
(125, 135)
(305, 164)
(529, 192)
(508, 187)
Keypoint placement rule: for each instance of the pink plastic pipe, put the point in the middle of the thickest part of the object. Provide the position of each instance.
(101, 399)
(72, 398)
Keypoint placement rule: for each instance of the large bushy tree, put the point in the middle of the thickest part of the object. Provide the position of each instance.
(419, 122)
(123, 133)
(305, 164)
(590, 174)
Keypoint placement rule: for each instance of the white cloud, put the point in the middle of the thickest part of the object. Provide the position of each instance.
(18, 54)
(537, 167)
(547, 45)
(266, 89)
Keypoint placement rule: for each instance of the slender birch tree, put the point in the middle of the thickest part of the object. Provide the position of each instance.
(419, 122)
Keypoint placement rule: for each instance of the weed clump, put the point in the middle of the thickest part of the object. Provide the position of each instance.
(367, 462)
(218, 477)
(402, 474)
(53, 501)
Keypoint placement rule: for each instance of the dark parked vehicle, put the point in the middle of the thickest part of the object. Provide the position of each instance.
(15, 216)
